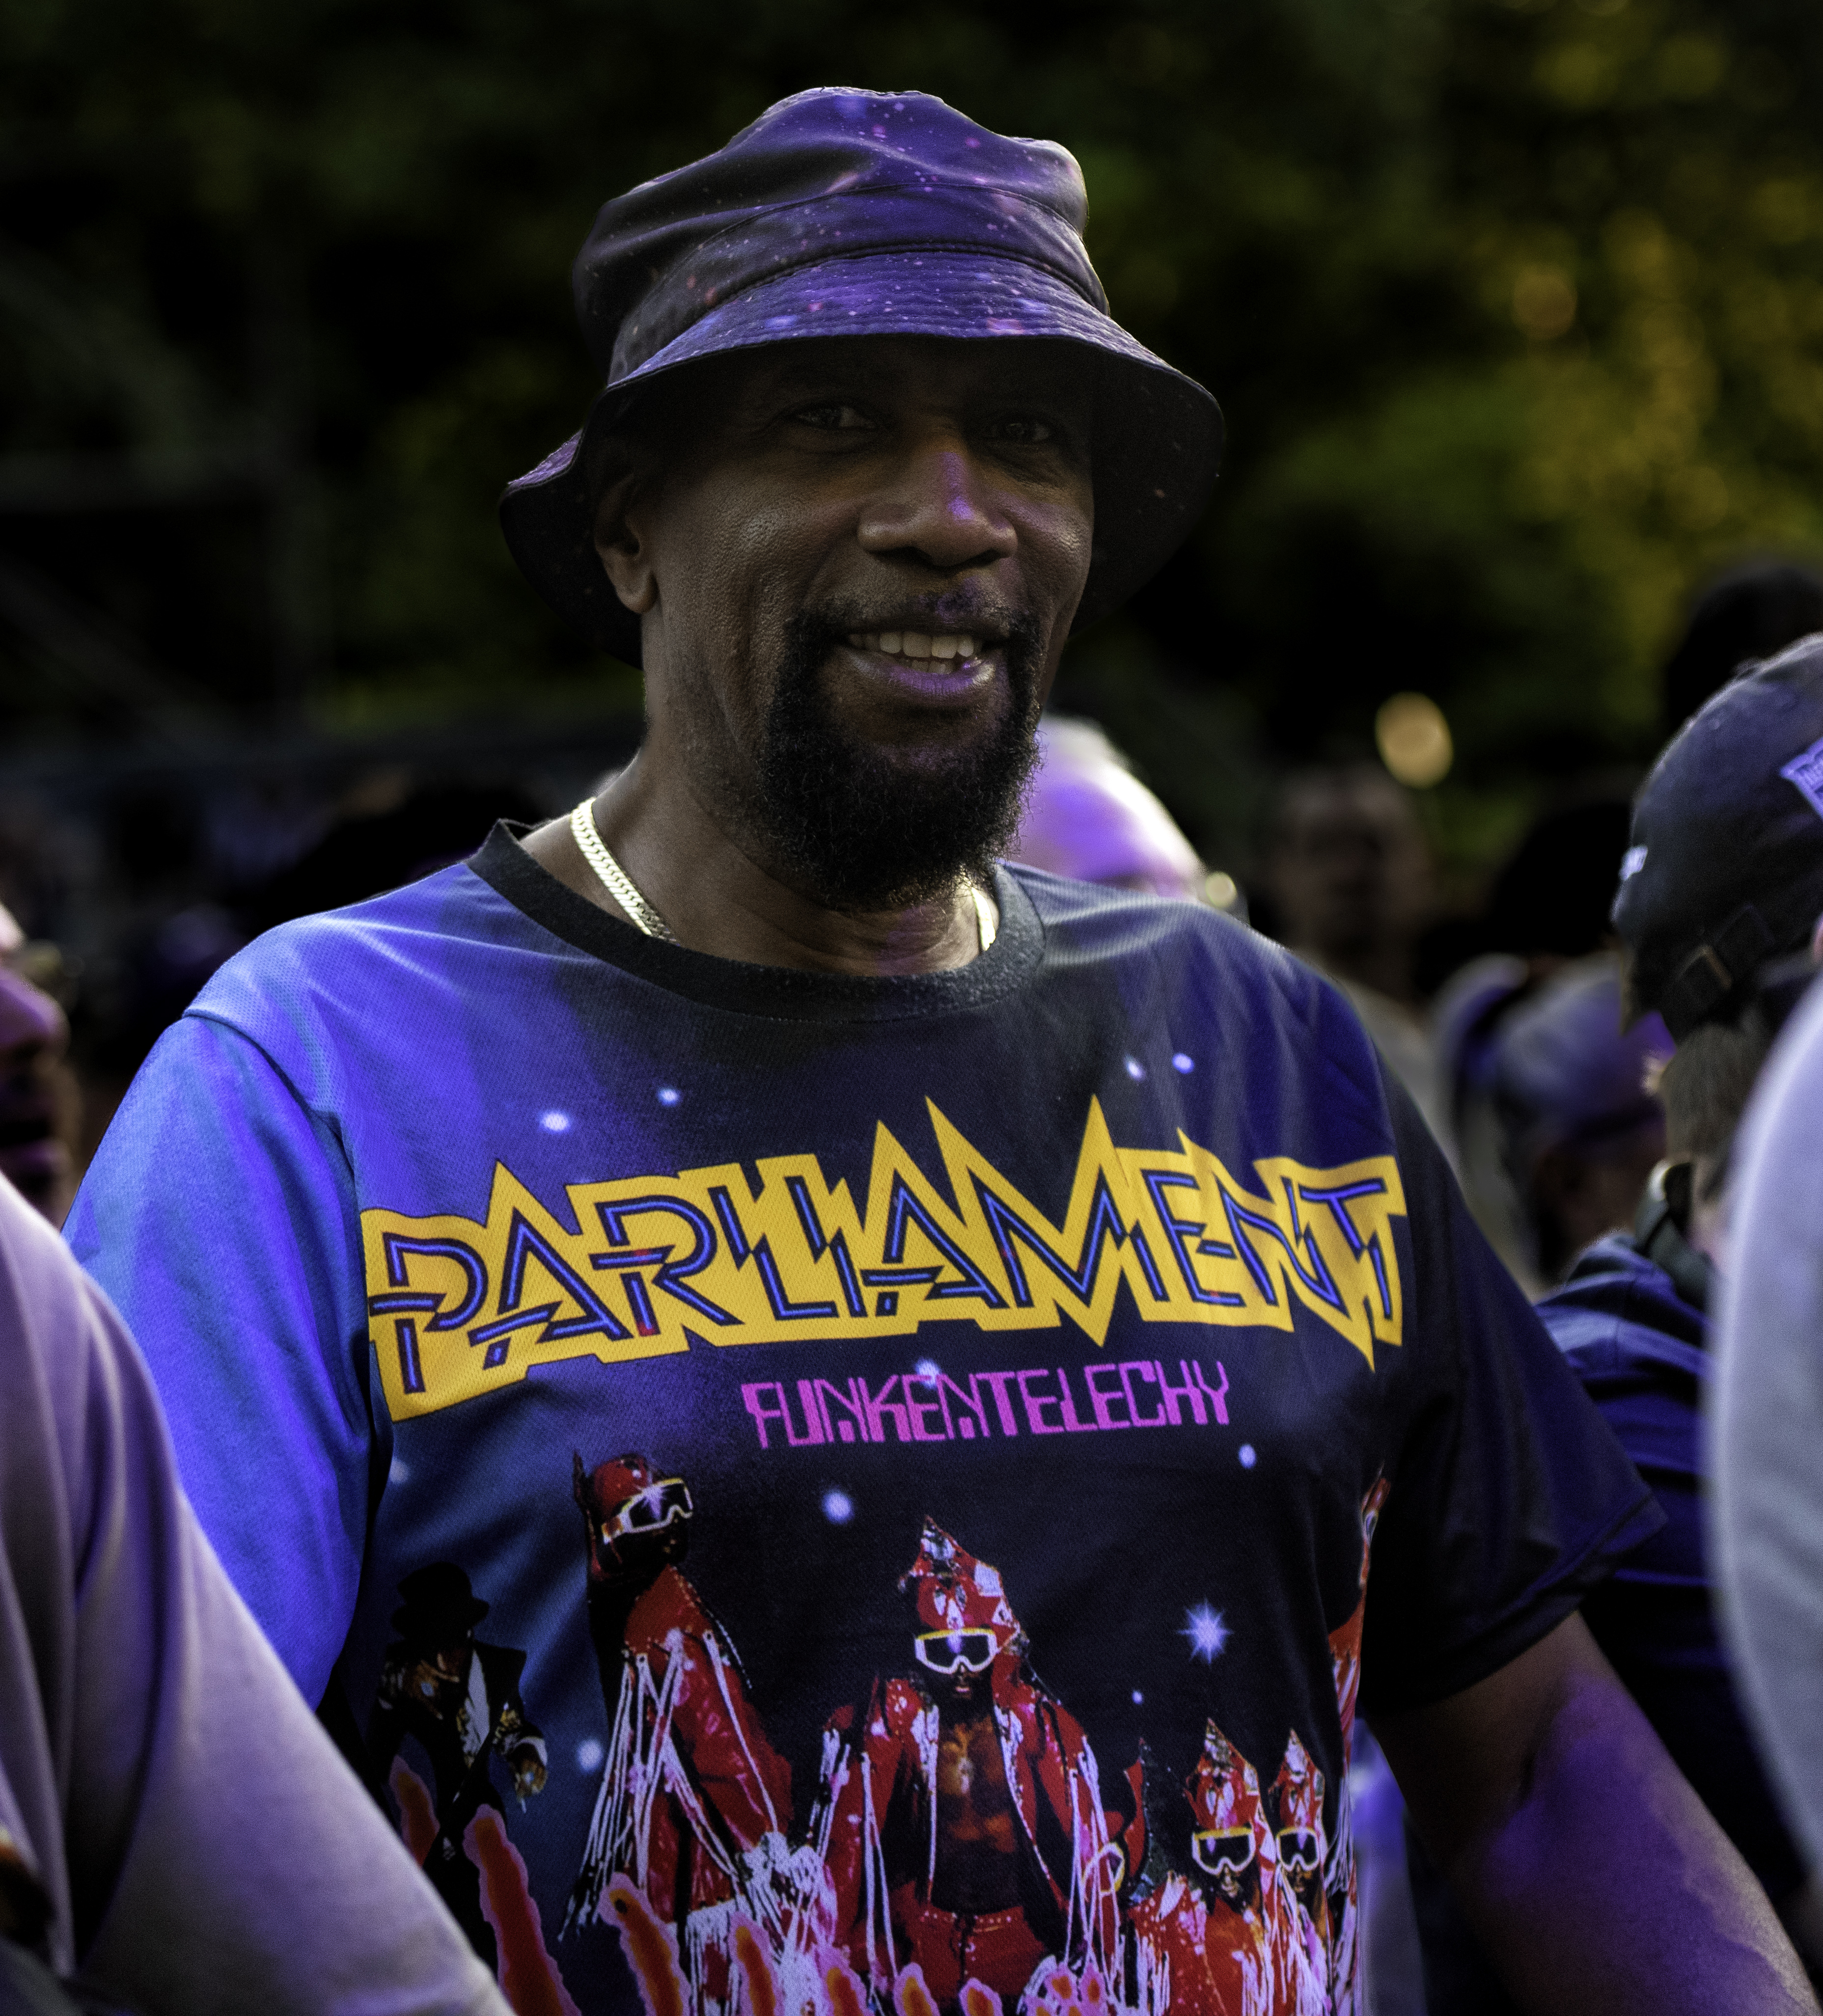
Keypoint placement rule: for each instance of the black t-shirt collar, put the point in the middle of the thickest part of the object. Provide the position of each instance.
(788, 992)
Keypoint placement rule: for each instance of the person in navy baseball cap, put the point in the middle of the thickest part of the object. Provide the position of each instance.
(1723, 881)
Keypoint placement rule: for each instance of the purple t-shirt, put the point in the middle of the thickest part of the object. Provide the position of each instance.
(1025, 1354)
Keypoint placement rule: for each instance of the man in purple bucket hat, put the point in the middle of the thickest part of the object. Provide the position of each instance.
(757, 1117)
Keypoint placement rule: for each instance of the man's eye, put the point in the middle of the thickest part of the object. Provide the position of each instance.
(833, 417)
(1025, 432)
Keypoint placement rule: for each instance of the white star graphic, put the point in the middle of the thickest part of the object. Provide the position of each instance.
(1207, 1633)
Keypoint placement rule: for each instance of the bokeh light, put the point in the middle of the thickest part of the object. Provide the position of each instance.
(1413, 740)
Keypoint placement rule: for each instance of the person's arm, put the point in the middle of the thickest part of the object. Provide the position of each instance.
(1592, 1872)
(219, 1214)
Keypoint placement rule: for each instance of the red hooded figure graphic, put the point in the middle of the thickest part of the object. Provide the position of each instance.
(1303, 1845)
(961, 1817)
(1207, 1943)
(692, 1788)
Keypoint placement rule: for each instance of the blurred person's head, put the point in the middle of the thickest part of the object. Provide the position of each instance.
(1348, 873)
(38, 1101)
(1551, 899)
(1579, 1129)
(1721, 894)
(871, 447)
(1089, 817)
(1750, 611)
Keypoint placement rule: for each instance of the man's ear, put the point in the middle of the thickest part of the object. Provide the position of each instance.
(621, 541)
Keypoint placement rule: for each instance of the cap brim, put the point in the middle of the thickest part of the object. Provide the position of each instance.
(1158, 436)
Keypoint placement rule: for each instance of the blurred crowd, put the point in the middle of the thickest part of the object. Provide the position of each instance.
(122, 889)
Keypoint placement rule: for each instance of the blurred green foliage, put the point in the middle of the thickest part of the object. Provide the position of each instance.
(1516, 307)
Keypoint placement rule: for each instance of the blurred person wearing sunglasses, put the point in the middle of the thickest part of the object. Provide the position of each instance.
(1349, 874)
(721, 1108)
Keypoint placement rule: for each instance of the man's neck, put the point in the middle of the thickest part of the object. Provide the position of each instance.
(714, 898)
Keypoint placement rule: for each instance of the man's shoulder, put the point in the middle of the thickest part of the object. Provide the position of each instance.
(1288, 1021)
(431, 931)
(1088, 921)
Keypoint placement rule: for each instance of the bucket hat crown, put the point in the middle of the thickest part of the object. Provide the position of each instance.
(851, 213)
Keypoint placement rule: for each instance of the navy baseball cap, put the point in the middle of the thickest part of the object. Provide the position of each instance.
(857, 212)
(1724, 872)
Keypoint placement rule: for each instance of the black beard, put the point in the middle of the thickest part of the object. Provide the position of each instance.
(861, 830)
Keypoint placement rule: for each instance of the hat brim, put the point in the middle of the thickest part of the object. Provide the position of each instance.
(1158, 435)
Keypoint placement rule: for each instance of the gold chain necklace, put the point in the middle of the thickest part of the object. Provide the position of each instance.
(620, 886)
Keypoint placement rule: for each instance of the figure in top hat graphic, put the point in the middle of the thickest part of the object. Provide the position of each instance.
(459, 1698)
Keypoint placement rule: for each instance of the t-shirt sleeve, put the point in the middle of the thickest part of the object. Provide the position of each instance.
(1509, 1496)
(219, 1215)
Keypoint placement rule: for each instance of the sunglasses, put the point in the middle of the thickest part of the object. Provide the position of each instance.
(1298, 1848)
(653, 1509)
(956, 1651)
(1224, 1850)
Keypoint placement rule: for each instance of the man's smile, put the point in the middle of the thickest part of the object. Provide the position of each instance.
(941, 666)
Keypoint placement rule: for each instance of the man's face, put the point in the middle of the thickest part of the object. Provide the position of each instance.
(864, 559)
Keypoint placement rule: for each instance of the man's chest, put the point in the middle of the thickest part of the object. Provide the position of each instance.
(1119, 1341)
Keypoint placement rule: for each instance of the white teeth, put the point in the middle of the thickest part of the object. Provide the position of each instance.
(915, 643)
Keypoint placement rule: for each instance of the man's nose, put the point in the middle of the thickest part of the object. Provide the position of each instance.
(31, 1023)
(942, 509)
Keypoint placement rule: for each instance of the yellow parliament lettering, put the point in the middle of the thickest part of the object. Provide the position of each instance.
(649, 1265)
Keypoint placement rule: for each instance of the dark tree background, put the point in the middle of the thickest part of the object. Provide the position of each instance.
(1516, 311)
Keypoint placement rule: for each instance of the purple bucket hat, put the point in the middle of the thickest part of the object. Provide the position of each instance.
(855, 213)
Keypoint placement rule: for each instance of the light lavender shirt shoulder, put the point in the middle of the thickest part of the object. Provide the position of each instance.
(1766, 1425)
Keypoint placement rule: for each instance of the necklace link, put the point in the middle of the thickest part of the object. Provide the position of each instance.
(618, 883)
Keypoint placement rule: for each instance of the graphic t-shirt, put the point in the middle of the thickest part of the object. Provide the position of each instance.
(837, 1494)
